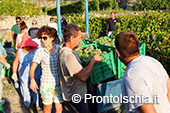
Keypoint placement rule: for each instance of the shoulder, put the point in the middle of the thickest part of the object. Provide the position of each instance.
(14, 26)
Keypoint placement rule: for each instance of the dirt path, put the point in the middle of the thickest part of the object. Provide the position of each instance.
(13, 103)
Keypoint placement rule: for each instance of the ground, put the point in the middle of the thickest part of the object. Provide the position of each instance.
(13, 103)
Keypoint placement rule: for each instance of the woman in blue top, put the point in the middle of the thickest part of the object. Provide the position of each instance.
(22, 62)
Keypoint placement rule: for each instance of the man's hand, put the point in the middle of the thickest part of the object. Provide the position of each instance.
(97, 58)
(33, 85)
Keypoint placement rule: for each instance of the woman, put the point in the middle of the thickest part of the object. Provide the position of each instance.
(2, 61)
(23, 28)
(47, 56)
(22, 62)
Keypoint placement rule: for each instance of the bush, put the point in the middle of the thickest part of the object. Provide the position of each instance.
(152, 5)
(18, 8)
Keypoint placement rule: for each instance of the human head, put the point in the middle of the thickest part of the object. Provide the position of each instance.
(18, 20)
(27, 42)
(51, 19)
(34, 22)
(113, 14)
(23, 26)
(49, 31)
(127, 43)
(72, 33)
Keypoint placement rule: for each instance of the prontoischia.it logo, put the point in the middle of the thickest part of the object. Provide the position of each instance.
(76, 98)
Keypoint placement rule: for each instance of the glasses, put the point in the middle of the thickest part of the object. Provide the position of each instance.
(44, 38)
(18, 21)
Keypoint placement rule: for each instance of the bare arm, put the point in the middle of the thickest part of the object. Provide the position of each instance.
(16, 44)
(168, 88)
(147, 108)
(15, 66)
(3, 60)
(83, 74)
(33, 84)
(15, 63)
(12, 33)
(107, 28)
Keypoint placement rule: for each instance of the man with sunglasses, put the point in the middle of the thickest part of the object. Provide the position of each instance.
(16, 29)
(72, 74)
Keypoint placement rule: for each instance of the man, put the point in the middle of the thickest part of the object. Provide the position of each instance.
(144, 78)
(72, 74)
(16, 29)
(63, 23)
(111, 24)
(52, 23)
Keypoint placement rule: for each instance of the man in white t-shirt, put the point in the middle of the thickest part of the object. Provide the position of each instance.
(145, 84)
(52, 23)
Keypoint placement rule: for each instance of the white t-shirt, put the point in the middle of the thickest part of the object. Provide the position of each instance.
(53, 25)
(145, 77)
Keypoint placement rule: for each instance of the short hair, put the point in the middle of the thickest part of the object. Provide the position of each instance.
(18, 18)
(113, 12)
(34, 22)
(52, 18)
(23, 25)
(48, 31)
(70, 30)
(127, 43)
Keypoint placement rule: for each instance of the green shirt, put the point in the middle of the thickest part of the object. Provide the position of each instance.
(16, 30)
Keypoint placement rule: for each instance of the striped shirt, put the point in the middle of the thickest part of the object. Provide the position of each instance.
(48, 65)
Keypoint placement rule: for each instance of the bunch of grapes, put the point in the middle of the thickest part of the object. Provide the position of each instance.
(82, 43)
(88, 52)
(106, 41)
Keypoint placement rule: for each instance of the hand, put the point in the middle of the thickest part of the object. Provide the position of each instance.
(33, 85)
(79, 48)
(14, 77)
(97, 58)
(7, 66)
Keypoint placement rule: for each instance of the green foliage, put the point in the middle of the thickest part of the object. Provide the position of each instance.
(18, 8)
(152, 29)
(78, 7)
(152, 5)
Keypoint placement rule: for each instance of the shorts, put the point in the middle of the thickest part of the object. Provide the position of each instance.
(50, 94)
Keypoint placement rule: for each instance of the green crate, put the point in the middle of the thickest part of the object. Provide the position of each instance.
(103, 70)
(120, 65)
(87, 41)
(8, 72)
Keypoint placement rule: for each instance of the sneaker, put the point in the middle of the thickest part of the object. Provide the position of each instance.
(2, 102)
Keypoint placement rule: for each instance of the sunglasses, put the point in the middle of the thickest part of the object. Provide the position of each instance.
(18, 21)
(44, 38)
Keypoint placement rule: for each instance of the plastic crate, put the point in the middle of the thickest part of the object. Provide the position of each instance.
(8, 72)
(103, 70)
(120, 65)
(112, 88)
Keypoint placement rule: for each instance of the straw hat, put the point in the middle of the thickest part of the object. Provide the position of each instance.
(27, 41)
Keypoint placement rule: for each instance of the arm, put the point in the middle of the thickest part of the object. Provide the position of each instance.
(168, 88)
(147, 108)
(3, 61)
(15, 66)
(83, 74)
(107, 28)
(16, 44)
(33, 84)
(12, 33)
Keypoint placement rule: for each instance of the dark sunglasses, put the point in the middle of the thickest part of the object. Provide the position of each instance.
(18, 21)
(44, 38)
